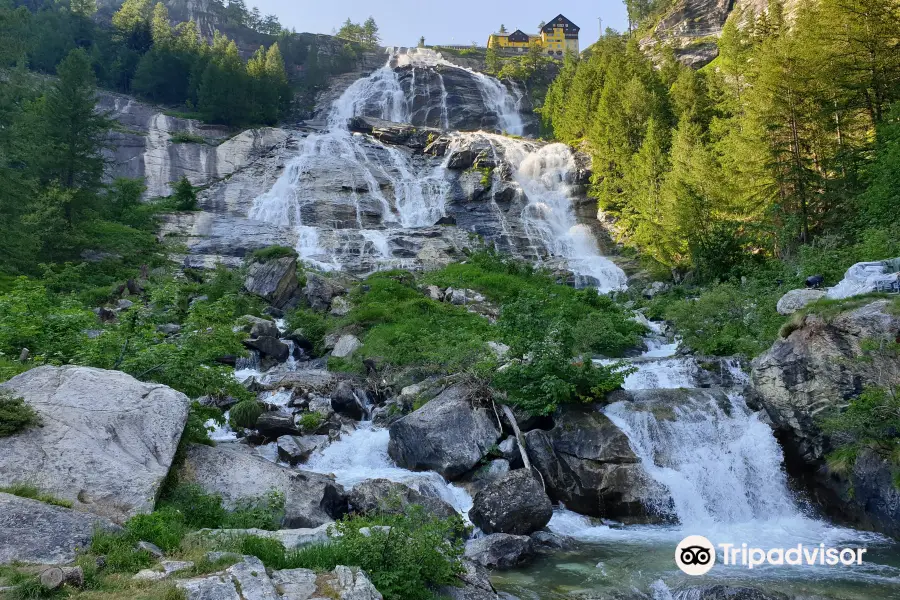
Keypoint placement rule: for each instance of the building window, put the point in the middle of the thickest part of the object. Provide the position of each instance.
(559, 52)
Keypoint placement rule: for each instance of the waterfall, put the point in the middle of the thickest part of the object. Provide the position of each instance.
(348, 196)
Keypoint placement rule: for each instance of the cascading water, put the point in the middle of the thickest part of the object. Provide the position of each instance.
(390, 193)
(722, 470)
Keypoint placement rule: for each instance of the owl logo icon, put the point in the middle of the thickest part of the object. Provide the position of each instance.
(695, 555)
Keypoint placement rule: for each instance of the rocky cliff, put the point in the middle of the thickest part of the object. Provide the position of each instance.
(815, 372)
(692, 27)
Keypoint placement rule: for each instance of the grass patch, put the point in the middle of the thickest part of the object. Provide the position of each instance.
(185, 137)
(310, 422)
(272, 253)
(27, 490)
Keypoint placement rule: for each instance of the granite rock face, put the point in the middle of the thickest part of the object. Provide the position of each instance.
(815, 372)
(35, 532)
(515, 503)
(448, 434)
(375, 496)
(587, 463)
(106, 443)
(310, 499)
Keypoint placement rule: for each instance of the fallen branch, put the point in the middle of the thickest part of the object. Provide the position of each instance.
(519, 437)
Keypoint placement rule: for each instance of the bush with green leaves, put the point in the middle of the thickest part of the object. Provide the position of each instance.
(726, 318)
(872, 420)
(15, 415)
(406, 556)
(548, 377)
(244, 414)
(314, 326)
(311, 421)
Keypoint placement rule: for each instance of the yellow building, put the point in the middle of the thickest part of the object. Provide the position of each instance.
(556, 37)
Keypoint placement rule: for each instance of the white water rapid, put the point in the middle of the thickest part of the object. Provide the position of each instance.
(391, 192)
(722, 470)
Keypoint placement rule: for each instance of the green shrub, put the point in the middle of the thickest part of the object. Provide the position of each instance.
(186, 137)
(27, 490)
(311, 421)
(417, 554)
(551, 377)
(245, 413)
(313, 325)
(15, 415)
(184, 195)
(272, 253)
(726, 318)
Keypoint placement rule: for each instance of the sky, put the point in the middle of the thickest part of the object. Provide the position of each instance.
(458, 22)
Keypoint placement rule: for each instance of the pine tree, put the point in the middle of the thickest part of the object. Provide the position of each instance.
(75, 133)
(502, 28)
(159, 25)
(370, 33)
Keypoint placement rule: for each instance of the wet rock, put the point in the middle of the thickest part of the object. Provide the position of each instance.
(587, 463)
(305, 381)
(348, 401)
(294, 449)
(815, 372)
(271, 347)
(346, 346)
(794, 300)
(448, 434)
(310, 499)
(475, 584)
(223, 403)
(500, 551)
(727, 592)
(545, 542)
(321, 291)
(656, 288)
(36, 532)
(275, 281)
(106, 443)
(272, 425)
(257, 327)
(515, 503)
(475, 481)
(375, 496)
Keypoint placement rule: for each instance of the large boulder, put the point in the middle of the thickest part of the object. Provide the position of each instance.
(320, 291)
(383, 496)
(794, 300)
(297, 449)
(587, 463)
(500, 551)
(269, 346)
(36, 532)
(815, 372)
(275, 281)
(348, 401)
(450, 434)
(515, 503)
(106, 443)
(310, 499)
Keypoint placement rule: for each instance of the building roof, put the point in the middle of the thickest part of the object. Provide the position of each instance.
(561, 21)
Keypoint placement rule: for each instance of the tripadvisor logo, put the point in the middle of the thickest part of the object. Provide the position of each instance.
(696, 555)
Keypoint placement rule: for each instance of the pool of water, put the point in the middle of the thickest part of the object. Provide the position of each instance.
(624, 562)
